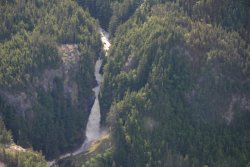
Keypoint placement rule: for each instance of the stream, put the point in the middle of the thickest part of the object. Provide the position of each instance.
(93, 129)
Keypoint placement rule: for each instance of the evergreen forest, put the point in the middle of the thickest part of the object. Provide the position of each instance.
(175, 90)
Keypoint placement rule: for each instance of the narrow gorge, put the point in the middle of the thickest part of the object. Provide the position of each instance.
(93, 129)
(173, 89)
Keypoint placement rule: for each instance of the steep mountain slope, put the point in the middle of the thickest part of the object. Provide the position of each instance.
(176, 89)
(47, 55)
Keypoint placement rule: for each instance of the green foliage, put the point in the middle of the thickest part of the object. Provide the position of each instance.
(99, 9)
(169, 81)
(23, 55)
(30, 35)
(104, 159)
(122, 11)
(111, 13)
(5, 136)
(28, 39)
(27, 158)
(14, 158)
(231, 15)
(174, 72)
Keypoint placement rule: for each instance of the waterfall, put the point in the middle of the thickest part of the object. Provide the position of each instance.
(93, 131)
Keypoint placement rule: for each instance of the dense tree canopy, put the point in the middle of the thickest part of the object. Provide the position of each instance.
(176, 80)
(14, 158)
(31, 35)
(174, 72)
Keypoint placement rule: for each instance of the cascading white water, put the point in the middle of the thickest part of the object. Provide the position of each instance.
(105, 40)
(93, 131)
(93, 126)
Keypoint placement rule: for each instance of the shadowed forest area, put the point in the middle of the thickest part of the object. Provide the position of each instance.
(176, 89)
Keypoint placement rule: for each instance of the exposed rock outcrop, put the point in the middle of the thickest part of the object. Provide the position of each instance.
(25, 100)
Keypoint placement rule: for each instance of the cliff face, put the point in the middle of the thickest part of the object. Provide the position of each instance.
(47, 55)
(55, 95)
(24, 101)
